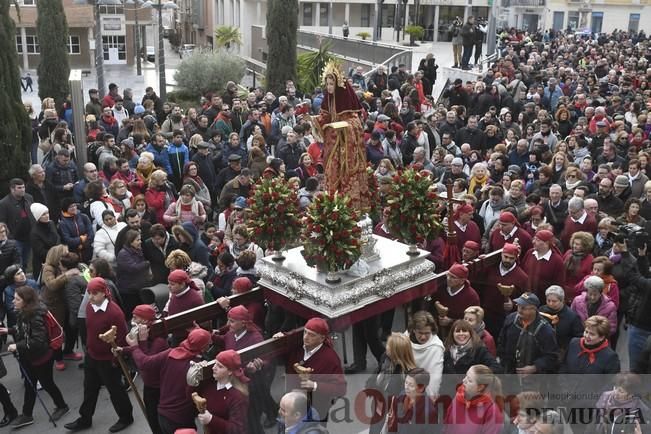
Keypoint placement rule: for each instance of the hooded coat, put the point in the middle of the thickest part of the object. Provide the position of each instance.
(429, 356)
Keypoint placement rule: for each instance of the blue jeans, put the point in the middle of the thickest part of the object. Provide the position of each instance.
(24, 248)
(636, 340)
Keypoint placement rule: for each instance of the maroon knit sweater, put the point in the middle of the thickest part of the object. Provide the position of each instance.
(100, 322)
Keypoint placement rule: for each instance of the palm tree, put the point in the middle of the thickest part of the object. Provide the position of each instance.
(310, 67)
(225, 36)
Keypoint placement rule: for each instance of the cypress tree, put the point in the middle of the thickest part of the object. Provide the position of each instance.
(282, 24)
(16, 133)
(53, 70)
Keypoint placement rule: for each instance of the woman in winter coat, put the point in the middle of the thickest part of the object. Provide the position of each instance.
(414, 411)
(625, 396)
(44, 236)
(464, 348)
(132, 271)
(591, 353)
(474, 315)
(186, 209)
(593, 302)
(15, 278)
(564, 320)
(577, 261)
(32, 345)
(76, 230)
(474, 408)
(98, 202)
(389, 379)
(603, 267)
(242, 242)
(427, 348)
(105, 237)
(191, 177)
(9, 253)
(120, 197)
(54, 281)
(159, 195)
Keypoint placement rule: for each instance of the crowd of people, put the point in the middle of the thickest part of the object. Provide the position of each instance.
(547, 152)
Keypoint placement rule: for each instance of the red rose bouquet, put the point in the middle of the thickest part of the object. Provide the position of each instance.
(273, 214)
(331, 237)
(412, 204)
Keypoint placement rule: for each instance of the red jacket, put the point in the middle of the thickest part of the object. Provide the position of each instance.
(479, 415)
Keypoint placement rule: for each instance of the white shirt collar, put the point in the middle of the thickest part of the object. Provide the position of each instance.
(504, 271)
(452, 294)
(240, 336)
(510, 234)
(180, 294)
(101, 307)
(460, 226)
(307, 354)
(580, 219)
(226, 386)
(546, 256)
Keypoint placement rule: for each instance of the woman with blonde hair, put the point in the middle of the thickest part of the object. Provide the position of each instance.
(389, 379)
(145, 165)
(477, 406)
(384, 168)
(194, 141)
(559, 165)
(159, 195)
(474, 315)
(578, 262)
(479, 179)
(139, 127)
(120, 197)
(178, 260)
(257, 160)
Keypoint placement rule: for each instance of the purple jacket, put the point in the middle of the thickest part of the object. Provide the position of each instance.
(607, 309)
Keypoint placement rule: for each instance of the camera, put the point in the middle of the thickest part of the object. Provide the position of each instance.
(633, 235)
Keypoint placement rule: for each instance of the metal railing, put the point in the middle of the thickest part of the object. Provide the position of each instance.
(403, 57)
(526, 3)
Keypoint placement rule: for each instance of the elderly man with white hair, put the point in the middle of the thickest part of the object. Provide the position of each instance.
(591, 206)
(577, 220)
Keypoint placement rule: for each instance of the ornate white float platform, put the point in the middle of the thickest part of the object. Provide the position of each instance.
(392, 273)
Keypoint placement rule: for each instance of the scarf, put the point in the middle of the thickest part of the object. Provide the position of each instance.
(608, 280)
(591, 352)
(571, 185)
(480, 328)
(457, 352)
(193, 207)
(476, 183)
(239, 249)
(573, 263)
(475, 401)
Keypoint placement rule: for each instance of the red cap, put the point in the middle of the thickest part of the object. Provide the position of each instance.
(508, 217)
(242, 284)
(544, 235)
(318, 325)
(465, 209)
(536, 210)
(98, 284)
(472, 245)
(178, 276)
(145, 311)
(459, 270)
(510, 249)
(231, 361)
(192, 346)
(239, 313)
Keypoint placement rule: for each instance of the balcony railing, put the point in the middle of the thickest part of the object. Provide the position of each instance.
(525, 3)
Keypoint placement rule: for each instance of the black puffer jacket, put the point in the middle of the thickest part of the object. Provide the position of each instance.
(31, 336)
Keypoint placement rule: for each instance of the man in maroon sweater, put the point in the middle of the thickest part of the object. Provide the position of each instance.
(142, 318)
(326, 381)
(456, 297)
(175, 409)
(508, 232)
(577, 220)
(184, 295)
(239, 333)
(465, 228)
(507, 272)
(99, 369)
(543, 264)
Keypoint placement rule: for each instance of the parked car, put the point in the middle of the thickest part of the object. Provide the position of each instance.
(151, 53)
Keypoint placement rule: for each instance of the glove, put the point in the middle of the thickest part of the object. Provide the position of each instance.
(205, 417)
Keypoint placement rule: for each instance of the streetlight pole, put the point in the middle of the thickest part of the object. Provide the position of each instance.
(330, 18)
(99, 50)
(162, 82)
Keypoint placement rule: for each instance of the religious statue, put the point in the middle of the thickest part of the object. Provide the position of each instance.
(339, 127)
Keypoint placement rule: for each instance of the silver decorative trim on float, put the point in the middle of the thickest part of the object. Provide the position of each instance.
(392, 273)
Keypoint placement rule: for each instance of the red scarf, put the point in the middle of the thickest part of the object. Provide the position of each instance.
(475, 401)
(591, 352)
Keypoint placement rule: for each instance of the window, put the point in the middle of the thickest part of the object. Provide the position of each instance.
(32, 44)
(19, 44)
(634, 22)
(29, 2)
(307, 14)
(366, 15)
(111, 9)
(388, 15)
(74, 45)
(325, 14)
(114, 45)
(573, 20)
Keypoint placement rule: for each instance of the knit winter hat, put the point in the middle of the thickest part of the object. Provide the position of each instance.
(239, 313)
(38, 209)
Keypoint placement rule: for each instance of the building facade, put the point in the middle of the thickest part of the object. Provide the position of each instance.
(118, 33)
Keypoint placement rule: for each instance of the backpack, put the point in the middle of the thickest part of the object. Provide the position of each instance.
(54, 331)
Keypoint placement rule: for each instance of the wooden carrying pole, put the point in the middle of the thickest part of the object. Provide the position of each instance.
(109, 338)
(202, 405)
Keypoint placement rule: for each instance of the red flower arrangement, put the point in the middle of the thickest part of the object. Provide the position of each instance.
(331, 237)
(412, 204)
(273, 216)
